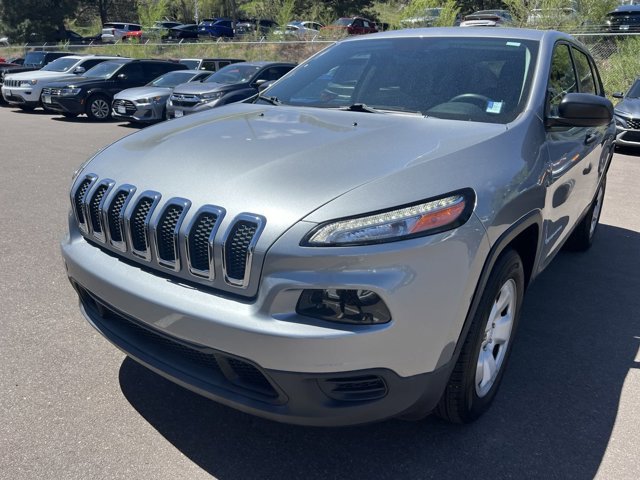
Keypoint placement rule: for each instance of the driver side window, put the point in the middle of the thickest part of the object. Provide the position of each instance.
(562, 78)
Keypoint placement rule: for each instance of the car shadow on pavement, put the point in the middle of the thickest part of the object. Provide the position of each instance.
(552, 418)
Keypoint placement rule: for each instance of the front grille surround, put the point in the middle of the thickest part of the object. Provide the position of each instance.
(78, 196)
(165, 232)
(138, 227)
(199, 241)
(242, 277)
(94, 206)
(130, 107)
(142, 227)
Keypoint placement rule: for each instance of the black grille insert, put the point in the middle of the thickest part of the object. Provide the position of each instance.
(354, 389)
(140, 215)
(114, 216)
(199, 240)
(237, 247)
(167, 232)
(78, 199)
(94, 208)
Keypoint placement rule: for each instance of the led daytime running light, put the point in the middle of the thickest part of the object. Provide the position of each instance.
(392, 225)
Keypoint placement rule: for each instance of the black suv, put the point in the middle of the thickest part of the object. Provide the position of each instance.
(93, 93)
(33, 61)
(625, 18)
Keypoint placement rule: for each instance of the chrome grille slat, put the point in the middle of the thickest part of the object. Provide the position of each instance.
(138, 224)
(78, 201)
(199, 241)
(166, 232)
(238, 248)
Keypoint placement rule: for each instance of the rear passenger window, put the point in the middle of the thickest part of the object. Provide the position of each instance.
(585, 75)
(210, 66)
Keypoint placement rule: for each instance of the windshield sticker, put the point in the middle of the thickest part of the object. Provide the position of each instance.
(513, 44)
(494, 107)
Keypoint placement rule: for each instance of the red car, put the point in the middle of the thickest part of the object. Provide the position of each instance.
(353, 25)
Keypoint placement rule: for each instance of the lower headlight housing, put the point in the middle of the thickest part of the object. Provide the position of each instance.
(357, 307)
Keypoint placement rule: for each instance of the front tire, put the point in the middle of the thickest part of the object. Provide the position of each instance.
(98, 108)
(478, 372)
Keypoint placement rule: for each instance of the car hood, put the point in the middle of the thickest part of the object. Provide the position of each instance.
(196, 88)
(285, 162)
(630, 106)
(40, 75)
(143, 92)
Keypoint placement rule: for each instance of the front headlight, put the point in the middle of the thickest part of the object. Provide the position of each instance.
(147, 101)
(70, 91)
(415, 220)
(208, 97)
(28, 83)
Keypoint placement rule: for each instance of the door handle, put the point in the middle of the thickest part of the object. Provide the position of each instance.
(587, 170)
(590, 138)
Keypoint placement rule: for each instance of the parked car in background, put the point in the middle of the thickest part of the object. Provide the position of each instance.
(429, 18)
(625, 18)
(216, 27)
(93, 93)
(33, 60)
(187, 32)
(16, 60)
(148, 104)
(4, 41)
(232, 83)
(211, 64)
(23, 89)
(328, 259)
(627, 115)
(121, 31)
(487, 18)
(351, 26)
(252, 26)
(300, 30)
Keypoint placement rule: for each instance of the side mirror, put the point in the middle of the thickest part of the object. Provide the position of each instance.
(79, 70)
(617, 95)
(259, 83)
(122, 76)
(582, 110)
(264, 85)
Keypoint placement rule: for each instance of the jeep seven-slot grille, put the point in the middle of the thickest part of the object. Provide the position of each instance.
(237, 246)
(119, 219)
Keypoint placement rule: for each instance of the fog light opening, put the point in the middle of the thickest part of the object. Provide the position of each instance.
(358, 307)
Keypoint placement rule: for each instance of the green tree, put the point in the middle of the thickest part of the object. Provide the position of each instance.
(36, 20)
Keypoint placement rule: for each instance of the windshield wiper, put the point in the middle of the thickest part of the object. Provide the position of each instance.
(271, 100)
(359, 107)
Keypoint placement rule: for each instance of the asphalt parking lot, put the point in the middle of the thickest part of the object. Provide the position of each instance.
(74, 407)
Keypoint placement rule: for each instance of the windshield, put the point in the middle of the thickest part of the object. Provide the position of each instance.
(34, 58)
(236, 73)
(634, 91)
(418, 75)
(191, 64)
(103, 70)
(171, 79)
(63, 64)
(345, 22)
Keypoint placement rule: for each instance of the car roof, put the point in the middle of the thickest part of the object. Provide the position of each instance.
(264, 63)
(511, 33)
(625, 9)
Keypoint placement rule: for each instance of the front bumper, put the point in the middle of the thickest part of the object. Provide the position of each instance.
(21, 96)
(296, 363)
(627, 137)
(176, 111)
(147, 113)
(74, 105)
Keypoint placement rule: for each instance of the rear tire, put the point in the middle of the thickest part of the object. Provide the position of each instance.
(582, 237)
(98, 108)
(477, 374)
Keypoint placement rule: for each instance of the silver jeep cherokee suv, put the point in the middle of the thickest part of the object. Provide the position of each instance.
(355, 243)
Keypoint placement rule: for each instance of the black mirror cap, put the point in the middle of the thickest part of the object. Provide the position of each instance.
(617, 95)
(582, 110)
